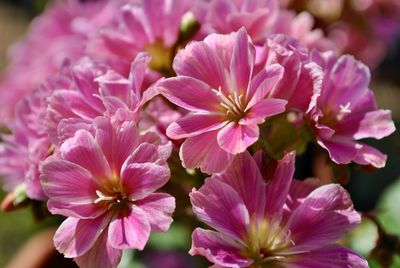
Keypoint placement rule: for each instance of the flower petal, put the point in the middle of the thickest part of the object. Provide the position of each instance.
(235, 138)
(200, 61)
(217, 248)
(264, 108)
(264, 83)
(195, 124)
(203, 152)
(71, 189)
(244, 176)
(84, 151)
(142, 179)
(75, 236)
(116, 142)
(242, 61)
(375, 124)
(368, 155)
(158, 208)
(323, 217)
(278, 187)
(218, 205)
(101, 255)
(129, 231)
(338, 257)
(189, 93)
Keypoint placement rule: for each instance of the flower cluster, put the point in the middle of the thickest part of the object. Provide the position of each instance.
(132, 92)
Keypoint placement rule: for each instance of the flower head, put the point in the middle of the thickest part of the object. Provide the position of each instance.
(62, 30)
(148, 25)
(275, 223)
(105, 184)
(346, 111)
(226, 99)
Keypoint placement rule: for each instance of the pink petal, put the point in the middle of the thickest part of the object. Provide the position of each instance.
(158, 208)
(117, 143)
(189, 93)
(264, 108)
(244, 176)
(368, 155)
(278, 187)
(242, 63)
(84, 151)
(354, 79)
(142, 179)
(218, 205)
(217, 248)
(71, 189)
(200, 61)
(341, 152)
(75, 237)
(101, 255)
(375, 124)
(203, 152)
(308, 88)
(235, 138)
(195, 124)
(263, 83)
(129, 231)
(323, 217)
(116, 85)
(337, 257)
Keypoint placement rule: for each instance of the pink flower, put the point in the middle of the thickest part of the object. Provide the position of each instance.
(227, 100)
(302, 78)
(259, 224)
(22, 152)
(149, 25)
(106, 186)
(96, 90)
(59, 34)
(226, 16)
(260, 19)
(346, 112)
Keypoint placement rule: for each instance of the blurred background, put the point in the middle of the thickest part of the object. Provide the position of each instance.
(377, 191)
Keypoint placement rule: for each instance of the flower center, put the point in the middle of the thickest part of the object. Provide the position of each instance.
(331, 118)
(161, 57)
(114, 198)
(265, 240)
(234, 105)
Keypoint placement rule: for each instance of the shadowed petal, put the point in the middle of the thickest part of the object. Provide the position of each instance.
(278, 187)
(337, 257)
(244, 176)
(217, 248)
(323, 217)
(203, 152)
(220, 206)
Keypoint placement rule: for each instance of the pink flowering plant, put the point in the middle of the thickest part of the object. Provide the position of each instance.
(158, 116)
